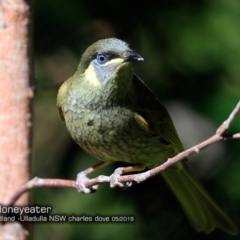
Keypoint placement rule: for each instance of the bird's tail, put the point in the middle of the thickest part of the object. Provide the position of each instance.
(203, 213)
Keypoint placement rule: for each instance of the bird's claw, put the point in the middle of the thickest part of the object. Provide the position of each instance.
(80, 185)
(114, 179)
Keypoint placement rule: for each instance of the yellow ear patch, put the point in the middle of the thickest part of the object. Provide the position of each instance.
(91, 76)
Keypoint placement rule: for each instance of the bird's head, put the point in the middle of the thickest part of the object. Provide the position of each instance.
(107, 60)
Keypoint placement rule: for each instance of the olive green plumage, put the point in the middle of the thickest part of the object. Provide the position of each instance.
(114, 116)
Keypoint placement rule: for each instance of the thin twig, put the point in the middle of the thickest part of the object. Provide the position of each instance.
(227, 123)
(38, 183)
(219, 136)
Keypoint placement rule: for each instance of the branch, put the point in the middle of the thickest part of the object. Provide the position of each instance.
(226, 124)
(218, 136)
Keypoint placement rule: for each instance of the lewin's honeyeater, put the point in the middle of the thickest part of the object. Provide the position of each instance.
(114, 116)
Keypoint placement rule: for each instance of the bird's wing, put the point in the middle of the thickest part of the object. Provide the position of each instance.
(61, 113)
(152, 116)
(61, 97)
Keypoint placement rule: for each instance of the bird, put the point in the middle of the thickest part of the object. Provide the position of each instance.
(113, 115)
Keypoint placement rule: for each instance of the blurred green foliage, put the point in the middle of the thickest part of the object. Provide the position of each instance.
(192, 56)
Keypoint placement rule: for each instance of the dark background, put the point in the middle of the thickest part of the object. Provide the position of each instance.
(191, 53)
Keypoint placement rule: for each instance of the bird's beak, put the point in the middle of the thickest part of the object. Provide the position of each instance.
(132, 56)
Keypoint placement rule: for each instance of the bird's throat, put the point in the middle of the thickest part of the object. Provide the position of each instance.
(120, 84)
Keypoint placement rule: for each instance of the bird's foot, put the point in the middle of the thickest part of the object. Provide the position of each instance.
(80, 185)
(114, 179)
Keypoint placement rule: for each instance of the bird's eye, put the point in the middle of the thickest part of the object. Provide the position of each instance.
(101, 58)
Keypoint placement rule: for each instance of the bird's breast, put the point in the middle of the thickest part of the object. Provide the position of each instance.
(112, 135)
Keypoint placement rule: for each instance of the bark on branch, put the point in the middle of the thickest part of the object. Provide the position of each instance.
(15, 104)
